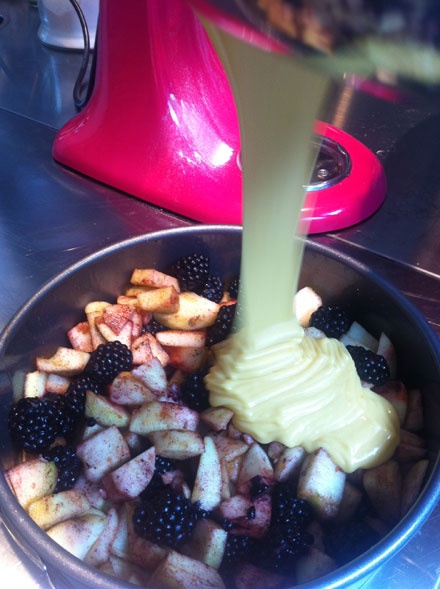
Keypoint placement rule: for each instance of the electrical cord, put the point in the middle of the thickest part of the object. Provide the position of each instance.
(82, 90)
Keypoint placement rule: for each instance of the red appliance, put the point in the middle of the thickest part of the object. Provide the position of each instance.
(161, 125)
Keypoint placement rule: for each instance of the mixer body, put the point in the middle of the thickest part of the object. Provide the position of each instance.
(161, 125)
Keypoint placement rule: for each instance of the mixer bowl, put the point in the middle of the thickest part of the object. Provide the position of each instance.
(42, 323)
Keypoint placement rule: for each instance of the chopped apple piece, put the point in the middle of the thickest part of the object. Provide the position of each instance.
(229, 448)
(414, 416)
(181, 338)
(159, 300)
(250, 517)
(124, 336)
(357, 335)
(208, 483)
(313, 565)
(153, 278)
(35, 384)
(186, 358)
(57, 384)
(178, 571)
(128, 390)
(217, 418)
(53, 509)
(102, 453)
(77, 535)
(195, 312)
(386, 349)
(32, 480)
(99, 553)
(383, 485)
(395, 392)
(145, 347)
(90, 429)
(177, 444)
(412, 484)
(131, 478)
(117, 316)
(104, 411)
(256, 463)
(412, 447)
(94, 492)
(306, 301)
(207, 543)
(249, 576)
(125, 571)
(321, 482)
(96, 307)
(274, 451)
(120, 543)
(350, 502)
(80, 337)
(65, 361)
(162, 415)
(288, 465)
(152, 375)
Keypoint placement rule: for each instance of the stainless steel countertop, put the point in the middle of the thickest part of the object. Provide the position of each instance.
(51, 217)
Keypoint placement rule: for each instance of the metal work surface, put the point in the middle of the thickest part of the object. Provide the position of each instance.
(51, 217)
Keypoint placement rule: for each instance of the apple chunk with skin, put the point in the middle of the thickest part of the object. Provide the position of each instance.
(152, 374)
(128, 390)
(177, 444)
(321, 482)
(162, 415)
(66, 361)
(178, 571)
(32, 480)
(256, 463)
(104, 411)
(53, 509)
(102, 453)
(130, 479)
(207, 543)
(77, 535)
(195, 312)
(208, 483)
(99, 553)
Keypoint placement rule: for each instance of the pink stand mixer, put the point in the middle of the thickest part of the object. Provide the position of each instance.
(161, 125)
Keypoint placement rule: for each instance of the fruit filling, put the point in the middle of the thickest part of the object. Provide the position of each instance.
(125, 463)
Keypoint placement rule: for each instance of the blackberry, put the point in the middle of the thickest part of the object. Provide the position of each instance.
(332, 320)
(287, 538)
(154, 327)
(108, 360)
(69, 466)
(371, 367)
(192, 272)
(163, 465)
(66, 419)
(287, 509)
(167, 518)
(222, 326)
(281, 548)
(233, 288)
(347, 541)
(237, 549)
(33, 424)
(213, 289)
(194, 392)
